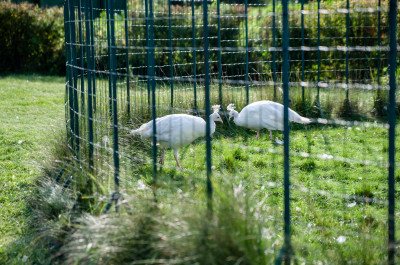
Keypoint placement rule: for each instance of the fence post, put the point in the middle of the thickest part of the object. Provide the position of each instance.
(93, 55)
(274, 46)
(379, 51)
(247, 53)
(220, 62)
(128, 96)
(109, 57)
(146, 11)
(392, 129)
(318, 54)
(74, 77)
(82, 66)
(153, 93)
(194, 59)
(347, 49)
(207, 104)
(302, 51)
(171, 67)
(285, 79)
(89, 82)
(114, 100)
(67, 25)
(219, 53)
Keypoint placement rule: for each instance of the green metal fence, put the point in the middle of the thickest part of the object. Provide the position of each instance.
(332, 61)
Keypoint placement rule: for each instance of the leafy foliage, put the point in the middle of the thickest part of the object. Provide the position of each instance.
(32, 39)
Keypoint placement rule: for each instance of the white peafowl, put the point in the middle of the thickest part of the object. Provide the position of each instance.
(263, 114)
(178, 130)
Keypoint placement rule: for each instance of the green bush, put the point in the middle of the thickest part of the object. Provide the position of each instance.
(363, 32)
(181, 33)
(32, 39)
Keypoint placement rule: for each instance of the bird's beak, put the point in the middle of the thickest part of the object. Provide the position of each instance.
(221, 121)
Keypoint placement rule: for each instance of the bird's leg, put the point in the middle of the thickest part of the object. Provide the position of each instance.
(162, 156)
(258, 134)
(270, 135)
(176, 159)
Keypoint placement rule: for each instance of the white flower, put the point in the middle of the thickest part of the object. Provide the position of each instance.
(350, 205)
(237, 190)
(341, 239)
(141, 185)
(105, 139)
(278, 141)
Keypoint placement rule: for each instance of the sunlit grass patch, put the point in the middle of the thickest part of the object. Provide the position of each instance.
(31, 110)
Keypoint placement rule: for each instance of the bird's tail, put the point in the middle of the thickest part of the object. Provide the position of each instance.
(294, 117)
(142, 129)
(304, 120)
(134, 132)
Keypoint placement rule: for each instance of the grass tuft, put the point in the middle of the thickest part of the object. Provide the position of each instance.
(302, 107)
(381, 103)
(238, 155)
(308, 166)
(321, 109)
(366, 192)
(177, 231)
(348, 110)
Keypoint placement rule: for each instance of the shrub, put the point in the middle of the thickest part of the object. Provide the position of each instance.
(381, 104)
(302, 107)
(349, 109)
(179, 231)
(32, 39)
(332, 68)
(308, 166)
(320, 109)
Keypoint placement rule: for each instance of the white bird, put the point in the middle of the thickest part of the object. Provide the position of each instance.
(178, 130)
(263, 114)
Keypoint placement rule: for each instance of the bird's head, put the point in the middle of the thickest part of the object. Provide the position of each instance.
(215, 116)
(232, 112)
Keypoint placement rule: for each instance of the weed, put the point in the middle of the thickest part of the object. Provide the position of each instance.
(308, 166)
(228, 163)
(238, 155)
(366, 192)
(301, 106)
(380, 106)
(348, 110)
(260, 163)
(320, 109)
(177, 232)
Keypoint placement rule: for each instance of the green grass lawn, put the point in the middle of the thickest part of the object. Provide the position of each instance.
(338, 176)
(338, 200)
(339, 193)
(31, 112)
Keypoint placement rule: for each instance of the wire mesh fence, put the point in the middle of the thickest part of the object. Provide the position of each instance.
(145, 76)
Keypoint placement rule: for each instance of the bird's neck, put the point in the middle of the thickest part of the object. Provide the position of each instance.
(212, 127)
(237, 120)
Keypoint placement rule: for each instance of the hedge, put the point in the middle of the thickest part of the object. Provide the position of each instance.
(32, 39)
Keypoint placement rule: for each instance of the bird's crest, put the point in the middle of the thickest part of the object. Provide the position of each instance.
(231, 107)
(216, 108)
